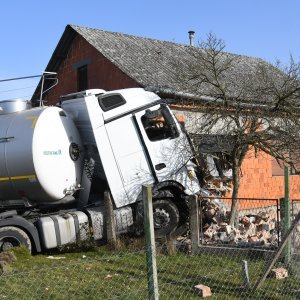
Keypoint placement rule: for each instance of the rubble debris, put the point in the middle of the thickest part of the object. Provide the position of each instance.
(184, 244)
(202, 290)
(252, 228)
(245, 221)
(279, 273)
(296, 243)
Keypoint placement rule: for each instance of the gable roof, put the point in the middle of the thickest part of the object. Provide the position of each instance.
(150, 62)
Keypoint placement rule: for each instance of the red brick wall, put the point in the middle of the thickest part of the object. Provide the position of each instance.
(101, 72)
(257, 180)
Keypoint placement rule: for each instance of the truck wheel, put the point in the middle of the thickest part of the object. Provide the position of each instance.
(11, 236)
(165, 217)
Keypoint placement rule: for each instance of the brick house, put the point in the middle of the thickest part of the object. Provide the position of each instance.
(88, 58)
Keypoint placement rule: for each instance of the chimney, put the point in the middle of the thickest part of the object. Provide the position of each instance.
(191, 36)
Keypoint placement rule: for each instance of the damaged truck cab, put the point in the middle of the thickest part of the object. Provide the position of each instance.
(133, 138)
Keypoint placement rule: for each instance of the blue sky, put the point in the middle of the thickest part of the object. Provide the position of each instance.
(31, 29)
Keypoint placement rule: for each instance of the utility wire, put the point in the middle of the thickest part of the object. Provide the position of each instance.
(18, 78)
(24, 88)
(43, 76)
(17, 98)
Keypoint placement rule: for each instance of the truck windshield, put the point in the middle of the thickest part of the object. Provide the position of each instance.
(159, 124)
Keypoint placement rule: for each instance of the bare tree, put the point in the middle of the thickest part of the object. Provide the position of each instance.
(249, 103)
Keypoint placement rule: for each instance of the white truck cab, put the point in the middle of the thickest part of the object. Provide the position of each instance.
(134, 139)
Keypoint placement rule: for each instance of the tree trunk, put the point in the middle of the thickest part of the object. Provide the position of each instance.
(235, 191)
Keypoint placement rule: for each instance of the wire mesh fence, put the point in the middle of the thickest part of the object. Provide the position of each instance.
(228, 269)
(222, 271)
(98, 274)
(122, 274)
(256, 224)
(296, 232)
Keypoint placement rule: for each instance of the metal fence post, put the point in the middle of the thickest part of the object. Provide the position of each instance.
(287, 213)
(245, 274)
(279, 218)
(150, 243)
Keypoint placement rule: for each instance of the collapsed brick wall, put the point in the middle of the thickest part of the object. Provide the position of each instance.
(255, 226)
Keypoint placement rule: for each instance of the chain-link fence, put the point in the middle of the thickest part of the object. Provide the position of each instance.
(257, 241)
(256, 222)
(122, 274)
(185, 268)
(98, 274)
(296, 232)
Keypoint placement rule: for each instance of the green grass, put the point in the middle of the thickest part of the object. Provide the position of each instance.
(104, 274)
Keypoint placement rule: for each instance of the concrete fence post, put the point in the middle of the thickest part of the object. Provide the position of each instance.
(110, 221)
(194, 222)
(150, 243)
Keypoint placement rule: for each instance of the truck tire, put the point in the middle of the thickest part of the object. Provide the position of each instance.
(165, 217)
(11, 236)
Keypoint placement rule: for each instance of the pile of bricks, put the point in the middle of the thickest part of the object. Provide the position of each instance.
(296, 239)
(255, 229)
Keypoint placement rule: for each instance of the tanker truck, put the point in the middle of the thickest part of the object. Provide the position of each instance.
(56, 162)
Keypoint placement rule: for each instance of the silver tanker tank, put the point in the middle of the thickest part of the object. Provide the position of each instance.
(10, 106)
(40, 159)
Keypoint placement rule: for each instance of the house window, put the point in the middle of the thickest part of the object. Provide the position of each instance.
(82, 78)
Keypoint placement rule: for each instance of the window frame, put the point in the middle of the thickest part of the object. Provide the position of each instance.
(169, 129)
(82, 78)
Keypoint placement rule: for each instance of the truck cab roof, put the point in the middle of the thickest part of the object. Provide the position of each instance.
(117, 102)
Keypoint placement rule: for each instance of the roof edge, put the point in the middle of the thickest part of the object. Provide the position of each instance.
(57, 57)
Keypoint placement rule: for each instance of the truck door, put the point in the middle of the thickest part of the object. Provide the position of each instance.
(129, 155)
(165, 142)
